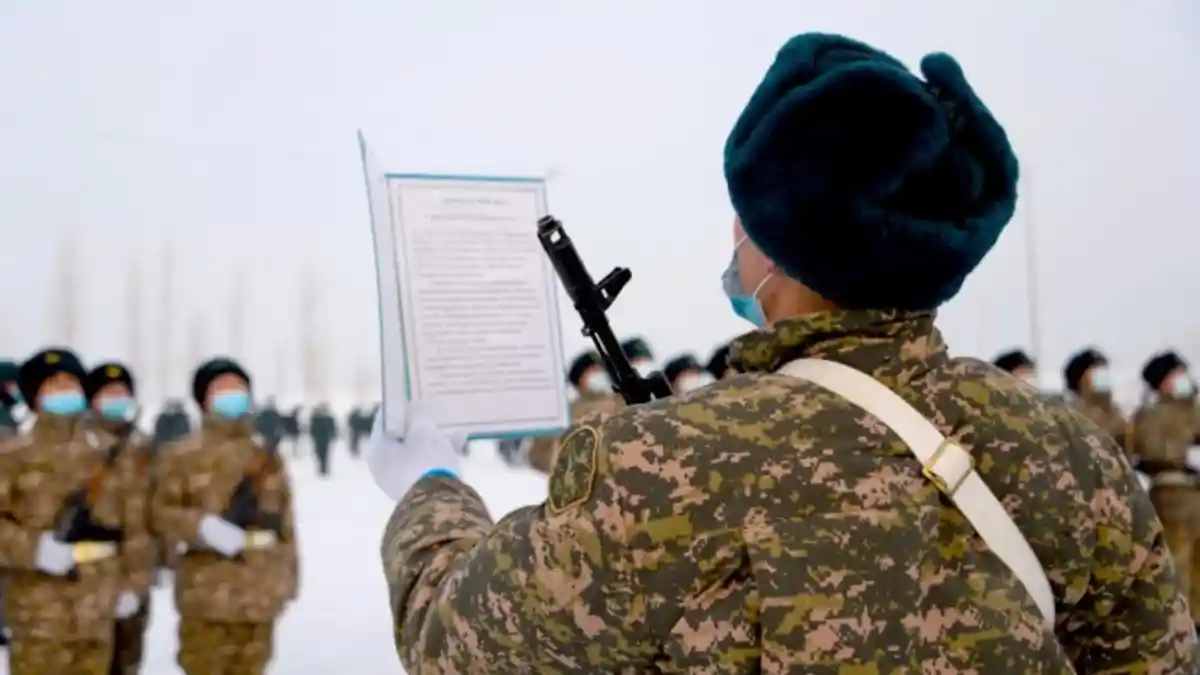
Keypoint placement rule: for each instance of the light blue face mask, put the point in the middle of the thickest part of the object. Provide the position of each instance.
(231, 405)
(118, 408)
(747, 306)
(65, 403)
(599, 383)
(1182, 386)
(1101, 379)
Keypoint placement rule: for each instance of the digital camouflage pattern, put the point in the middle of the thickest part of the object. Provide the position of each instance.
(763, 524)
(39, 472)
(224, 648)
(199, 477)
(50, 657)
(1164, 430)
(543, 450)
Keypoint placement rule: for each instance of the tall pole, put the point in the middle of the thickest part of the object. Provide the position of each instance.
(166, 316)
(134, 315)
(237, 314)
(1032, 287)
(197, 339)
(67, 269)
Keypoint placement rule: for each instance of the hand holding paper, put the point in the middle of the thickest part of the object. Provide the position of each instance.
(397, 464)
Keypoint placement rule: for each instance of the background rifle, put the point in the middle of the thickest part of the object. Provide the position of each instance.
(243, 509)
(592, 301)
(75, 524)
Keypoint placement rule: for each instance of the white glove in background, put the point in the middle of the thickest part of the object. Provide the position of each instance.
(127, 605)
(396, 465)
(222, 536)
(53, 556)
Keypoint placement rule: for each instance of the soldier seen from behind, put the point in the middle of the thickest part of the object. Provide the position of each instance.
(291, 429)
(857, 500)
(227, 497)
(172, 423)
(1090, 381)
(268, 423)
(593, 395)
(358, 423)
(111, 396)
(73, 536)
(12, 408)
(685, 373)
(1165, 428)
(323, 429)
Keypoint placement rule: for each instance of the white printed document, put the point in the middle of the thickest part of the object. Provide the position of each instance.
(468, 303)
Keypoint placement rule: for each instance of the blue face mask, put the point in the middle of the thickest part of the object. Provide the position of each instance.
(65, 403)
(231, 405)
(1182, 386)
(745, 306)
(1101, 380)
(118, 408)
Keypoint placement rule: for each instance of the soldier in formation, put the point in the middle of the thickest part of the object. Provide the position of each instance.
(593, 395)
(73, 535)
(1165, 428)
(226, 496)
(268, 423)
(172, 423)
(291, 429)
(111, 395)
(11, 405)
(684, 373)
(1020, 365)
(857, 499)
(640, 356)
(359, 426)
(718, 364)
(1090, 383)
(323, 429)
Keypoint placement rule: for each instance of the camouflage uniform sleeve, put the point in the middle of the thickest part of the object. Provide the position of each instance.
(288, 537)
(1132, 616)
(18, 545)
(170, 516)
(138, 552)
(547, 589)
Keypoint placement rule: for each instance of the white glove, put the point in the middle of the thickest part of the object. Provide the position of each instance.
(53, 556)
(163, 577)
(222, 536)
(396, 465)
(127, 605)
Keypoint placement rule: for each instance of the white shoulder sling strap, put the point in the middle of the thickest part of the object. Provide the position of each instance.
(950, 467)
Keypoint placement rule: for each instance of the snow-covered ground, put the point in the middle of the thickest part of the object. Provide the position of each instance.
(341, 622)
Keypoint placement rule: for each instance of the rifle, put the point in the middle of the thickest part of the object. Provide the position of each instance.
(75, 525)
(262, 529)
(591, 301)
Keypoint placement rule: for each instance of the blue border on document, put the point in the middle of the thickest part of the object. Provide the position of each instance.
(532, 433)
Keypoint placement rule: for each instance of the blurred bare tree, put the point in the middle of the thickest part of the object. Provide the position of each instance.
(366, 382)
(66, 308)
(166, 321)
(308, 310)
(237, 313)
(134, 316)
(197, 339)
(281, 377)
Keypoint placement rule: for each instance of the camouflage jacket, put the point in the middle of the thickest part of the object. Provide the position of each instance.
(543, 450)
(39, 474)
(1163, 432)
(763, 524)
(1106, 414)
(199, 476)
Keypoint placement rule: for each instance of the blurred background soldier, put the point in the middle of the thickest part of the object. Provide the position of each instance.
(686, 374)
(291, 429)
(64, 532)
(227, 497)
(1090, 381)
(268, 423)
(172, 423)
(1018, 364)
(323, 429)
(358, 423)
(718, 363)
(111, 395)
(593, 394)
(11, 407)
(1164, 430)
(640, 355)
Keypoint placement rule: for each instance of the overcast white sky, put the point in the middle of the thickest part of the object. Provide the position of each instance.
(225, 130)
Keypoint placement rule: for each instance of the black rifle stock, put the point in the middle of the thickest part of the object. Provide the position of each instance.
(591, 301)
